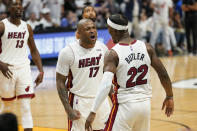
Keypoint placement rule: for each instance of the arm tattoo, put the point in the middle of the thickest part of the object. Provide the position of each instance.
(63, 94)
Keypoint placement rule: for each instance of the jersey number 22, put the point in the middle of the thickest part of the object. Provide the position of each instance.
(143, 69)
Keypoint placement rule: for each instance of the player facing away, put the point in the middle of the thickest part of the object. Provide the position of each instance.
(80, 66)
(15, 72)
(128, 62)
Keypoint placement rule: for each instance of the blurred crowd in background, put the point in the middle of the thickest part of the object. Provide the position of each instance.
(148, 19)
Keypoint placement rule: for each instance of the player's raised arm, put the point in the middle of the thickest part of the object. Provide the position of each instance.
(164, 79)
(35, 56)
(110, 65)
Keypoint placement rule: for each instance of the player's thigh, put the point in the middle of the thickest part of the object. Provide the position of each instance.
(24, 84)
(132, 116)
(125, 118)
(142, 122)
(83, 106)
(120, 125)
(7, 86)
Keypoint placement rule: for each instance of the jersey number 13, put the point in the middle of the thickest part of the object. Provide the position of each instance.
(19, 43)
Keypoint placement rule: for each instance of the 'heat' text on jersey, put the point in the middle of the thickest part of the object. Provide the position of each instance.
(134, 56)
(89, 61)
(16, 35)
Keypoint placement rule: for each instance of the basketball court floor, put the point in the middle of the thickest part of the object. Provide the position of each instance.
(49, 115)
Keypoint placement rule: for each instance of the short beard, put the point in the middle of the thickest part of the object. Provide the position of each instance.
(93, 19)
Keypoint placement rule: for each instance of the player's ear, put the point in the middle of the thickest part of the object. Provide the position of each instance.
(77, 34)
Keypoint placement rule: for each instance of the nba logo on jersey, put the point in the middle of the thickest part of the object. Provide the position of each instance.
(131, 48)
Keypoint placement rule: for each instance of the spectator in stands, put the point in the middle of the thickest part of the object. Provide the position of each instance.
(178, 4)
(142, 31)
(89, 12)
(162, 9)
(70, 5)
(132, 11)
(179, 31)
(33, 21)
(102, 10)
(190, 9)
(46, 20)
(8, 122)
(146, 5)
(3, 15)
(32, 6)
(57, 9)
(2, 7)
(172, 39)
(69, 20)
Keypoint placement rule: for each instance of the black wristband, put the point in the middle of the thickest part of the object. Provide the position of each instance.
(169, 97)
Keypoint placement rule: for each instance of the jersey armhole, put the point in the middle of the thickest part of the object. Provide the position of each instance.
(117, 57)
(146, 44)
(3, 30)
(72, 55)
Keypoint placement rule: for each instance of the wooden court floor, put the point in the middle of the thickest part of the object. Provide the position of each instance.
(49, 114)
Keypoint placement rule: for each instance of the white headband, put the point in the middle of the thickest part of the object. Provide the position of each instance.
(116, 26)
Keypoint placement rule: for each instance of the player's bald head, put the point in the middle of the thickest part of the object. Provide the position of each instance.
(82, 23)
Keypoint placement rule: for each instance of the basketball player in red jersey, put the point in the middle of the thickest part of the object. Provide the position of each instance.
(15, 72)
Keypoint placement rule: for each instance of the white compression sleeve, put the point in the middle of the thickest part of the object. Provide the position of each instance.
(27, 121)
(103, 90)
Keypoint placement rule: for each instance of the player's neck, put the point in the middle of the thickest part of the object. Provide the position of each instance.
(126, 40)
(87, 46)
(15, 21)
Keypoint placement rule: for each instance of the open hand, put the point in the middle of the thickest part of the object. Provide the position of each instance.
(5, 70)
(168, 105)
(89, 121)
(39, 78)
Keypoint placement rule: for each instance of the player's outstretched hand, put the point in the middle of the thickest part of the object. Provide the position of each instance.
(39, 78)
(89, 121)
(74, 115)
(168, 105)
(5, 70)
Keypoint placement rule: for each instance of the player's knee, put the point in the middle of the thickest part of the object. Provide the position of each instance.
(6, 106)
(25, 105)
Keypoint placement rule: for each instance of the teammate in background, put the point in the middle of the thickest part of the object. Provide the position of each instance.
(81, 65)
(15, 72)
(130, 60)
(163, 9)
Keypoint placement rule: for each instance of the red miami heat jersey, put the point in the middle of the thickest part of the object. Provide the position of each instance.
(133, 72)
(13, 43)
(87, 69)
